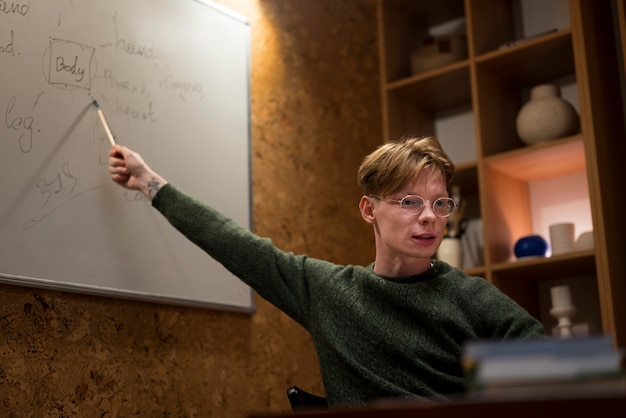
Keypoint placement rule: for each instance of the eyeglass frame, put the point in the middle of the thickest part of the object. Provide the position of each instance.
(432, 204)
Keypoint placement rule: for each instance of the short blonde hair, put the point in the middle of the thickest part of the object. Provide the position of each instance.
(391, 165)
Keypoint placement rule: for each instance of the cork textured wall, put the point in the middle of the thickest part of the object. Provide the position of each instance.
(315, 114)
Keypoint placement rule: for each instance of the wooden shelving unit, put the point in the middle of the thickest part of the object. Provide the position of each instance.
(493, 82)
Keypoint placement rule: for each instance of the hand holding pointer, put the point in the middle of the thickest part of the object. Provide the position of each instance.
(129, 170)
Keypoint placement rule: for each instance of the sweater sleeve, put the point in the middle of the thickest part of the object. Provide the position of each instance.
(278, 276)
(497, 316)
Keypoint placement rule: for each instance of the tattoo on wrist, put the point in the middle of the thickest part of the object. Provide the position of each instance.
(153, 188)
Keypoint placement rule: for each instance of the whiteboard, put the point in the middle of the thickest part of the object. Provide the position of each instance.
(172, 78)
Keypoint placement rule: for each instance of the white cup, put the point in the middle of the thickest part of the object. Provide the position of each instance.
(451, 251)
(562, 238)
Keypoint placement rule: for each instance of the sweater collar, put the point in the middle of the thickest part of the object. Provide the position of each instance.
(433, 272)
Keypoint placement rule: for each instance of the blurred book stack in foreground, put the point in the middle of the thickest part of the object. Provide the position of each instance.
(588, 366)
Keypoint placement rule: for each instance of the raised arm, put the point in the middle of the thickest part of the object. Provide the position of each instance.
(129, 170)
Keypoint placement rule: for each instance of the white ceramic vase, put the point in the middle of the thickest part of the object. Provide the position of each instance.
(546, 116)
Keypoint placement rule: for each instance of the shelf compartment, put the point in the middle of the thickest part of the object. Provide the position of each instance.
(497, 22)
(404, 23)
(502, 79)
(522, 280)
(506, 213)
(506, 179)
(414, 102)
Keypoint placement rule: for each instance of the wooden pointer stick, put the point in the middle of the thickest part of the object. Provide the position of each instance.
(104, 123)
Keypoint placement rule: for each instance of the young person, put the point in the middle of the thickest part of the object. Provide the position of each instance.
(395, 328)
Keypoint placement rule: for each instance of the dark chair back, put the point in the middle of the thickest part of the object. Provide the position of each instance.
(301, 399)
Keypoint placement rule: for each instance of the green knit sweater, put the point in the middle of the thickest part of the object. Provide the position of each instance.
(376, 337)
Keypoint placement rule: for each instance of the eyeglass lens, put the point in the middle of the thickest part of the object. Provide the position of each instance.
(443, 206)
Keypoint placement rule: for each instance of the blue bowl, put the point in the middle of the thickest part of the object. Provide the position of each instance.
(531, 246)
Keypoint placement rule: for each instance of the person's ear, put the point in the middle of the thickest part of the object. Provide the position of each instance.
(366, 206)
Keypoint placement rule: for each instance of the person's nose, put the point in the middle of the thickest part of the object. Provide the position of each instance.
(427, 214)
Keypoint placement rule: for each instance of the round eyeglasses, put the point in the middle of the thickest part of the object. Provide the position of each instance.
(414, 204)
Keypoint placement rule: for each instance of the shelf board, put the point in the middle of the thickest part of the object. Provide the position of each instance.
(541, 161)
(547, 57)
(425, 89)
(576, 263)
(478, 271)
